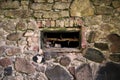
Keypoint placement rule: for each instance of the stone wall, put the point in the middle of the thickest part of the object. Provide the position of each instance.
(22, 20)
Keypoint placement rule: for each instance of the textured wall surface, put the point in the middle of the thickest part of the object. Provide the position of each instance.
(22, 20)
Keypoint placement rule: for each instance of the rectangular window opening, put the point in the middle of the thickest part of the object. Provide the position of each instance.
(60, 40)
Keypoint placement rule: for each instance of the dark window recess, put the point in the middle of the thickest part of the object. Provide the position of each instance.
(56, 39)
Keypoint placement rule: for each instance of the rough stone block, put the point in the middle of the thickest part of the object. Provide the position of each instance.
(104, 10)
(10, 51)
(57, 72)
(22, 65)
(9, 5)
(36, 6)
(14, 36)
(81, 8)
(18, 13)
(102, 46)
(65, 61)
(83, 72)
(94, 55)
(116, 4)
(5, 62)
(60, 5)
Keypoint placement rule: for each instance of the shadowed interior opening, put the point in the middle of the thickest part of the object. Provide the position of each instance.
(60, 39)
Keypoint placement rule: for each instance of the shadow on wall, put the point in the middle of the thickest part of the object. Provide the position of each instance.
(109, 72)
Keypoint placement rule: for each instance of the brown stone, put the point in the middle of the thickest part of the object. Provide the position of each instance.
(91, 37)
(60, 5)
(116, 4)
(39, 1)
(37, 15)
(115, 48)
(51, 14)
(81, 8)
(104, 10)
(36, 6)
(14, 36)
(28, 33)
(8, 26)
(114, 38)
(64, 13)
(12, 51)
(32, 25)
(21, 25)
(22, 65)
(9, 5)
(18, 13)
(5, 62)
(65, 61)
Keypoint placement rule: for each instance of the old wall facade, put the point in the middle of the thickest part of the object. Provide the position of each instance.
(22, 20)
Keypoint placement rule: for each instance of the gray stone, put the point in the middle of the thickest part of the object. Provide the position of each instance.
(83, 72)
(104, 10)
(9, 5)
(41, 76)
(14, 36)
(1, 72)
(115, 57)
(101, 46)
(109, 71)
(57, 72)
(81, 8)
(22, 65)
(36, 6)
(8, 71)
(9, 78)
(2, 50)
(40, 68)
(60, 5)
(94, 55)
(65, 61)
